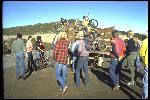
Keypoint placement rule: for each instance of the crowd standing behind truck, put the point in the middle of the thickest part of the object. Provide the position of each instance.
(61, 50)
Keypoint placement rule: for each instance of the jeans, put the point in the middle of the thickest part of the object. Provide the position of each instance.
(131, 63)
(138, 63)
(61, 72)
(114, 70)
(82, 62)
(39, 54)
(30, 61)
(20, 64)
(145, 84)
(74, 64)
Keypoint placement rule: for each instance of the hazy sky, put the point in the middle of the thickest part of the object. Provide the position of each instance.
(124, 15)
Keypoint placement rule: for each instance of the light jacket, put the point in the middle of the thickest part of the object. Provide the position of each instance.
(82, 49)
(29, 46)
(18, 45)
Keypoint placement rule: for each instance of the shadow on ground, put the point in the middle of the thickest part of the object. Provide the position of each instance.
(103, 75)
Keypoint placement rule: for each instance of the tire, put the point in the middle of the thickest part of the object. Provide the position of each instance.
(38, 63)
(93, 23)
(50, 63)
(102, 45)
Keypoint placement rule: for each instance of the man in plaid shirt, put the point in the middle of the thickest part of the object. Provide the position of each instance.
(60, 55)
(61, 51)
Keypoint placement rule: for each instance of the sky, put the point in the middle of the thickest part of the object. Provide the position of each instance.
(124, 15)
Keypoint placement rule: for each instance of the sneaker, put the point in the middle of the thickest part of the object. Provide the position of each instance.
(116, 87)
(130, 83)
(77, 86)
(87, 85)
(65, 89)
(17, 78)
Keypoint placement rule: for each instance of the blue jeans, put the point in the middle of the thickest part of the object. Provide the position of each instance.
(20, 64)
(82, 62)
(61, 72)
(39, 54)
(74, 64)
(145, 84)
(114, 70)
(138, 63)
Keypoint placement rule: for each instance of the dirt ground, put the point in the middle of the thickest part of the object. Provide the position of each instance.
(42, 84)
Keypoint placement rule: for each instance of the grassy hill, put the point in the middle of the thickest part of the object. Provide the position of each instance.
(34, 29)
(47, 31)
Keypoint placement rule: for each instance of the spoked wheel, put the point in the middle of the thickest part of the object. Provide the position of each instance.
(38, 63)
(102, 45)
(93, 23)
(50, 63)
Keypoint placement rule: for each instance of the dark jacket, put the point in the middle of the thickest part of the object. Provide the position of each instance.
(131, 47)
(37, 44)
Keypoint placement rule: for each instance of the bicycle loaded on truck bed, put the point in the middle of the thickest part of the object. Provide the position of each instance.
(99, 38)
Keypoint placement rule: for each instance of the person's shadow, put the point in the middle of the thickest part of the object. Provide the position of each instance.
(103, 75)
(29, 72)
(128, 90)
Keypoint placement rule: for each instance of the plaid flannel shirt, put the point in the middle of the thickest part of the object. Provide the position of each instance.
(60, 52)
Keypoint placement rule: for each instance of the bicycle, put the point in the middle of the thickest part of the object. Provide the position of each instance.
(49, 60)
(43, 62)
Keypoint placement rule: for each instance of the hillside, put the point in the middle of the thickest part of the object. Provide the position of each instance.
(34, 29)
(47, 31)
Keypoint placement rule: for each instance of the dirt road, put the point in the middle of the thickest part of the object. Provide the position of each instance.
(42, 84)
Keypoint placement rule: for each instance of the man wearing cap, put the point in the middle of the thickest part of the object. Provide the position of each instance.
(18, 50)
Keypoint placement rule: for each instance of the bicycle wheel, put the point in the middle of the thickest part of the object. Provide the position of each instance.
(102, 45)
(38, 63)
(93, 23)
(50, 62)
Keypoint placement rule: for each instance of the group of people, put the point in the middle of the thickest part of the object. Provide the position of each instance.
(20, 50)
(80, 54)
(80, 59)
(120, 51)
(131, 52)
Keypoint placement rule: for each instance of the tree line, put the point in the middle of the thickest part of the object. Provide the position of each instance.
(47, 28)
